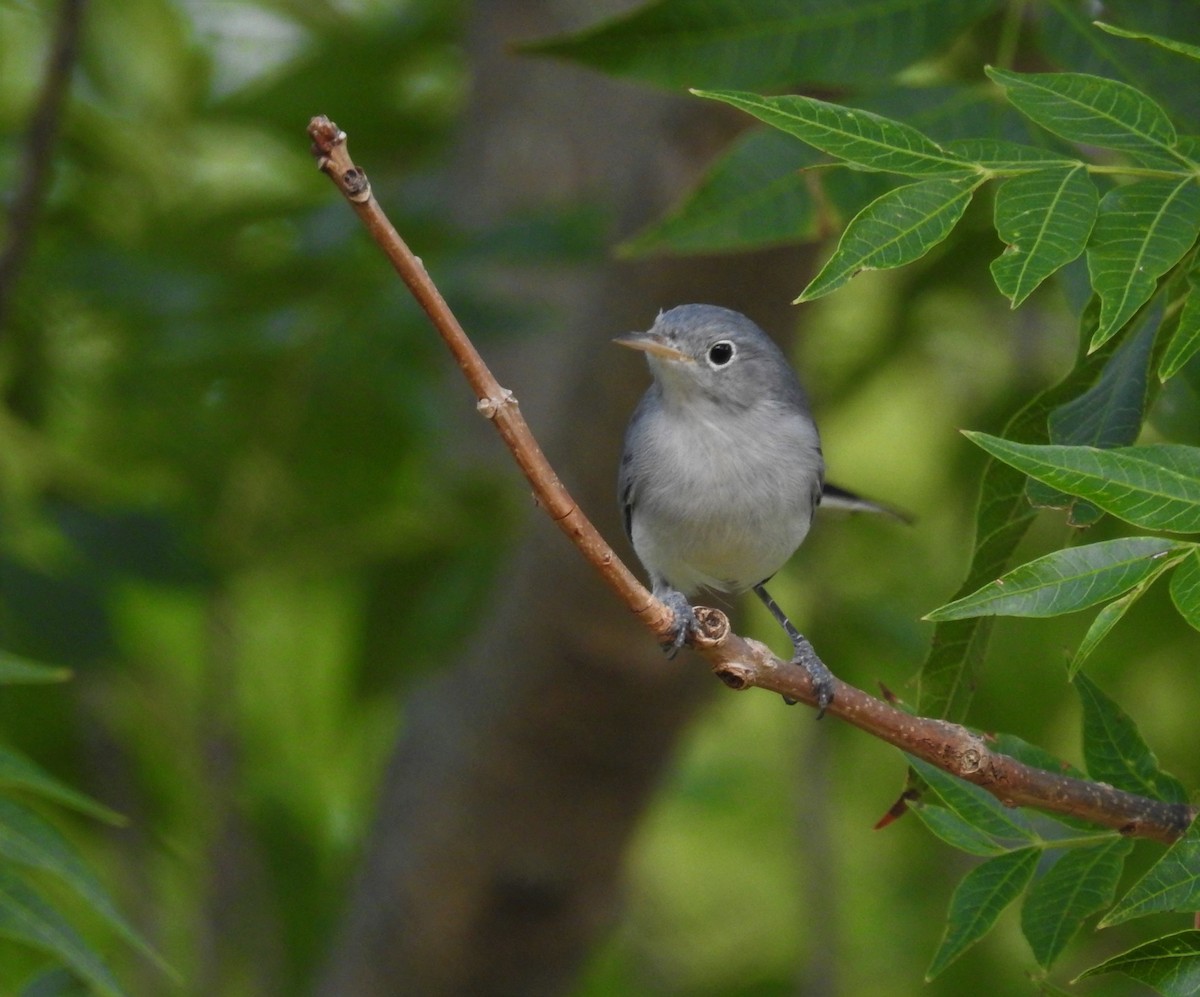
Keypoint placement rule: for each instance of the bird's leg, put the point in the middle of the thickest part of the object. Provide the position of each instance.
(685, 618)
(803, 654)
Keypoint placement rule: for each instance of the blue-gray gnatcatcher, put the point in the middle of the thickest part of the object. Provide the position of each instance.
(722, 469)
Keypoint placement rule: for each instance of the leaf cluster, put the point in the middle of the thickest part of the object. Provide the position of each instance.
(202, 383)
(1154, 487)
(1093, 171)
(1063, 873)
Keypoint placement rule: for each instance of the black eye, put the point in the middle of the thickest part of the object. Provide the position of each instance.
(719, 354)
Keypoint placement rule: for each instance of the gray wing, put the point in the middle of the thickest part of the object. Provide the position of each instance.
(625, 494)
(627, 475)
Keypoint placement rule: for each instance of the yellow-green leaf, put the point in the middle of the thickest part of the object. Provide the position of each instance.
(861, 138)
(1142, 230)
(895, 229)
(980, 899)
(1090, 110)
(1067, 580)
(1045, 217)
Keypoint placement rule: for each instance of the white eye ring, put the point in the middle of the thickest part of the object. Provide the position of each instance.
(720, 354)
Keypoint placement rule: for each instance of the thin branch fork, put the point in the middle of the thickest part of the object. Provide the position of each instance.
(740, 663)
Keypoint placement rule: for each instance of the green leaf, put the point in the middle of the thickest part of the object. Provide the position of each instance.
(27, 839)
(757, 194)
(974, 806)
(861, 138)
(25, 917)
(1156, 487)
(1035, 756)
(1002, 156)
(1081, 883)
(1142, 230)
(956, 831)
(16, 670)
(1066, 580)
(1114, 751)
(895, 229)
(1171, 885)
(1090, 110)
(979, 900)
(1185, 588)
(1066, 35)
(1171, 965)
(1108, 617)
(953, 114)
(1108, 414)
(946, 680)
(1045, 217)
(1111, 411)
(766, 43)
(1171, 44)
(18, 771)
(1186, 340)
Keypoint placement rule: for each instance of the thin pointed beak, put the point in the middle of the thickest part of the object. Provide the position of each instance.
(652, 343)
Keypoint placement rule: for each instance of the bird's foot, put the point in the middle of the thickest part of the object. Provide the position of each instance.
(804, 656)
(685, 626)
(818, 671)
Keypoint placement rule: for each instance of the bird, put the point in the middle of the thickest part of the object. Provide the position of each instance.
(722, 468)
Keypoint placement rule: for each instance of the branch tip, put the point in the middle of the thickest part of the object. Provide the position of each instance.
(329, 148)
(325, 135)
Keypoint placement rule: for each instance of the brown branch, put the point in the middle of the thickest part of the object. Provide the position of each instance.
(34, 171)
(740, 663)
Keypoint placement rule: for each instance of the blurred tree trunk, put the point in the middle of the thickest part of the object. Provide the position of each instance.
(494, 864)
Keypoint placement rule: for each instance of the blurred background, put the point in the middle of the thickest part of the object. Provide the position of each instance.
(374, 727)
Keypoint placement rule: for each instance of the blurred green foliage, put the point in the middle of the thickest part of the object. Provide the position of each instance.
(231, 499)
(224, 486)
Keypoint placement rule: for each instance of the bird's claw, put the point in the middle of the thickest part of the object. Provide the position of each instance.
(818, 672)
(685, 626)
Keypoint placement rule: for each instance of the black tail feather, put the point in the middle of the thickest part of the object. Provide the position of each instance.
(835, 497)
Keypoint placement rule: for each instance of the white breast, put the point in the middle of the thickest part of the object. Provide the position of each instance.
(714, 505)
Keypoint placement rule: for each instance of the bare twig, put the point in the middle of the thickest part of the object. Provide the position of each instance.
(34, 172)
(740, 663)
(493, 401)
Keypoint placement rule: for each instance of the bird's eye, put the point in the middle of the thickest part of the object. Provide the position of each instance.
(719, 354)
